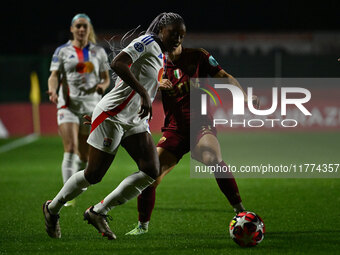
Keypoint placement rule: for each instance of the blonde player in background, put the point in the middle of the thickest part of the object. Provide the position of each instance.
(121, 117)
(79, 69)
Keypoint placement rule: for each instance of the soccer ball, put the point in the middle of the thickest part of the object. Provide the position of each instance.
(247, 229)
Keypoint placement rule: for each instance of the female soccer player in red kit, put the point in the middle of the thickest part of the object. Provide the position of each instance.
(185, 63)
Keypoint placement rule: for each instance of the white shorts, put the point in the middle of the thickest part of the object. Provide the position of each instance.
(109, 133)
(66, 116)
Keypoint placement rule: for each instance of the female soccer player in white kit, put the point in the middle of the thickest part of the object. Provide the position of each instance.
(82, 67)
(121, 118)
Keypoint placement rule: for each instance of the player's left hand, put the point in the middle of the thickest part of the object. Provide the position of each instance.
(165, 84)
(146, 105)
(88, 120)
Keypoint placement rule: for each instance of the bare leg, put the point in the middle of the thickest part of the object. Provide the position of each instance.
(146, 200)
(142, 149)
(69, 135)
(99, 163)
(208, 152)
(83, 149)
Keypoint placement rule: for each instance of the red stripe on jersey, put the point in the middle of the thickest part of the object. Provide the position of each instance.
(120, 107)
(80, 54)
(101, 117)
(111, 113)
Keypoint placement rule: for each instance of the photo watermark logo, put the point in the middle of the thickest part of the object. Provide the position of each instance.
(239, 100)
(290, 110)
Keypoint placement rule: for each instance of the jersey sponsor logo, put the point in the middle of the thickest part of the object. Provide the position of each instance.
(93, 53)
(85, 67)
(213, 61)
(138, 46)
(72, 56)
(107, 142)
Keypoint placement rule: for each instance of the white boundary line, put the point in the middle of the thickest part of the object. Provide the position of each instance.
(19, 142)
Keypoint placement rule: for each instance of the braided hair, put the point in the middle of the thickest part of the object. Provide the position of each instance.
(162, 20)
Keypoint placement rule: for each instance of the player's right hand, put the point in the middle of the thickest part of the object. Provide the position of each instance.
(146, 106)
(165, 84)
(53, 97)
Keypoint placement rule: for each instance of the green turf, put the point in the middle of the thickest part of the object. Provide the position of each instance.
(191, 216)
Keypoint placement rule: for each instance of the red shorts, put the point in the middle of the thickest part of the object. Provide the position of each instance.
(179, 144)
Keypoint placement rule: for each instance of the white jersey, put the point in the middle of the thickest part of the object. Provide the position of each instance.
(82, 68)
(122, 103)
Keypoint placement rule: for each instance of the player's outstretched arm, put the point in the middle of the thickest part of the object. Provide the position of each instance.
(120, 65)
(223, 74)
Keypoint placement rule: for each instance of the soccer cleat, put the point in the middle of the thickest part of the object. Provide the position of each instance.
(51, 222)
(100, 222)
(70, 203)
(138, 230)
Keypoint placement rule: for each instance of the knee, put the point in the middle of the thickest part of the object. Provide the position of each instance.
(209, 159)
(157, 181)
(151, 168)
(71, 148)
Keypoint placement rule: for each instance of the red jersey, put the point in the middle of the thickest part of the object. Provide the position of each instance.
(192, 63)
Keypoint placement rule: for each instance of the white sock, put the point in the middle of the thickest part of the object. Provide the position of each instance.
(80, 165)
(129, 188)
(68, 166)
(144, 225)
(74, 186)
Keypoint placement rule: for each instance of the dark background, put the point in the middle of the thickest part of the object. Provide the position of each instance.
(28, 26)
(32, 30)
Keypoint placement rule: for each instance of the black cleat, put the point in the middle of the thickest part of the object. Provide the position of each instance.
(51, 222)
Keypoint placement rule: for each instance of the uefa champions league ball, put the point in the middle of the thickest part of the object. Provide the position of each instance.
(247, 229)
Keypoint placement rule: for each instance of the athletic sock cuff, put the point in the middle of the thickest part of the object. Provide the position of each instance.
(149, 179)
(69, 155)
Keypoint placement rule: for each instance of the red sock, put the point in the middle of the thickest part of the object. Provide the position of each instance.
(227, 184)
(146, 203)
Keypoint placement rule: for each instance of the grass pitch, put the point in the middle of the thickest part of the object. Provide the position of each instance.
(191, 216)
